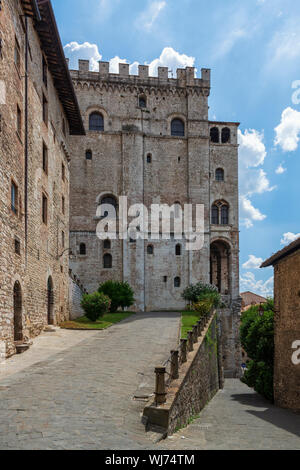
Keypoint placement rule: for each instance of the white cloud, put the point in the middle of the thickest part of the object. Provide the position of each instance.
(87, 51)
(284, 48)
(289, 237)
(253, 180)
(248, 282)
(288, 131)
(229, 41)
(171, 59)
(149, 16)
(168, 58)
(280, 170)
(253, 262)
(252, 148)
(249, 213)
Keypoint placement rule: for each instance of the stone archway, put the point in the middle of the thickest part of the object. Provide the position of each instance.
(18, 324)
(220, 256)
(50, 301)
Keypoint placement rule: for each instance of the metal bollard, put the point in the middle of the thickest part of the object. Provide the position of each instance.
(183, 356)
(160, 387)
(174, 364)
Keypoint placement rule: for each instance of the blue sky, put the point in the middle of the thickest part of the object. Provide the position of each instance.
(253, 49)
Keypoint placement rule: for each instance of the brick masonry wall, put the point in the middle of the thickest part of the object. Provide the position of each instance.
(287, 331)
(40, 259)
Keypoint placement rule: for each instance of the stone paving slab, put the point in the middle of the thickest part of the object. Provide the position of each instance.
(238, 418)
(75, 389)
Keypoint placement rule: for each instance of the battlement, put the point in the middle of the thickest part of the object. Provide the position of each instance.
(185, 77)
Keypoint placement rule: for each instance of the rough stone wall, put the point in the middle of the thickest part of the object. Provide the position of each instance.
(39, 258)
(182, 169)
(287, 331)
(200, 384)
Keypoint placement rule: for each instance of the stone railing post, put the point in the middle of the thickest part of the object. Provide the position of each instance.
(190, 341)
(160, 386)
(195, 334)
(199, 326)
(174, 364)
(183, 356)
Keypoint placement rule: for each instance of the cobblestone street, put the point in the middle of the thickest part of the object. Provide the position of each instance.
(75, 389)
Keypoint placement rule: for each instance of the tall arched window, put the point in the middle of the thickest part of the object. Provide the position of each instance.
(142, 101)
(219, 174)
(107, 261)
(178, 250)
(177, 128)
(214, 135)
(89, 155)
(82, 249)
(225, 135)
(96, 122)
(220, 213)
(107, 244)
(177, 282)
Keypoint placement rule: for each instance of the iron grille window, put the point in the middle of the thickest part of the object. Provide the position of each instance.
(177, 128)
(96, 122)
(219, 174)
(177, 282)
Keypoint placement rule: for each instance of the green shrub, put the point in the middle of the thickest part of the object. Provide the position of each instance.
(120, 294)
(198, 292)
(204, 305)
(257, 338)
(95, 305)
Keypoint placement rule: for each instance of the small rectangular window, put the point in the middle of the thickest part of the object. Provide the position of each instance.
(19, 121)
(45, 110)
(14, 198)
(63, 239)
(17, 246)
(45, 158)
(45, 209)
(17, 57)
(63, 204)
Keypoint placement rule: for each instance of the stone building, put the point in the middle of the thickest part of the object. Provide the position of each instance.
(38, 112)
(287, 325)
(150, 139)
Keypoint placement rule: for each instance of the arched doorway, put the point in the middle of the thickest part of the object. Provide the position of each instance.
(50, 301)
(220, 266)
(18, 327)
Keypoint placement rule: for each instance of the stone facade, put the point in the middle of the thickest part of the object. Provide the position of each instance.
(76, 291)
(287, 326)
(34, 166)
(137, 155)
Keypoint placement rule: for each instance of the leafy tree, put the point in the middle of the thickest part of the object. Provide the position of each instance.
(257, 338)
(95, 305)
(120, 293)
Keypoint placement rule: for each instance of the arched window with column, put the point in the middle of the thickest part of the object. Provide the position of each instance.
(220, 213)
(177, 127)
(96, 122)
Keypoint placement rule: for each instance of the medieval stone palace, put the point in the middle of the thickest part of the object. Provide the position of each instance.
(73, 140)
